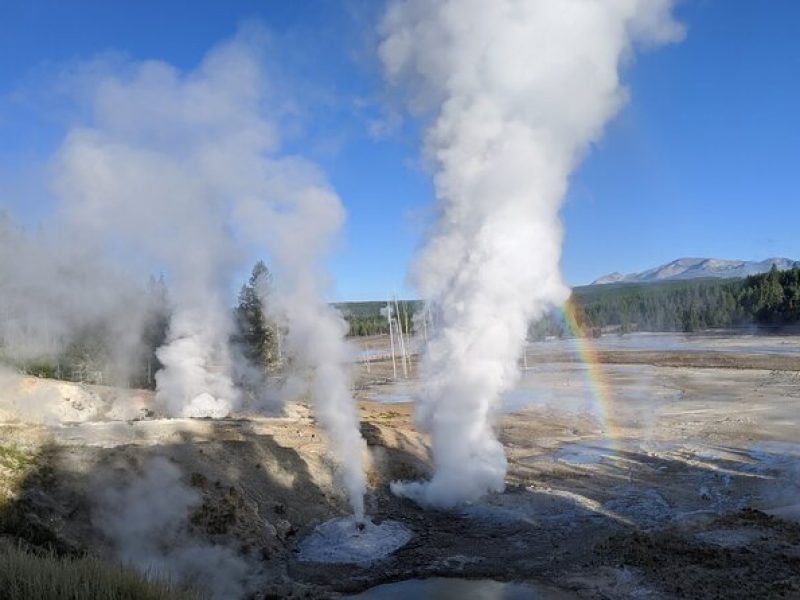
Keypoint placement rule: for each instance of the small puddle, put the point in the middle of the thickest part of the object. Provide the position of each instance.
(440, 588)
(587, 453)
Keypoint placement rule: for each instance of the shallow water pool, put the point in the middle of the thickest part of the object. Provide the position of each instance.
(441, 588)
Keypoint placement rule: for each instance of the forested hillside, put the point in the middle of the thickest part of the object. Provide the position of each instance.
(769, 299)
(368, 318)
(87, 353)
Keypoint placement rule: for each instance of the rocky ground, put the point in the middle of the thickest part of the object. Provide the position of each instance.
(671, 477)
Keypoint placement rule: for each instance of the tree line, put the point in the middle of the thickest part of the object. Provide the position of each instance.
(769, 299)
(369, 318)
(87, 353)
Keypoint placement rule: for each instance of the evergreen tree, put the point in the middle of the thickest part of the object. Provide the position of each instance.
(256, 335)
(154, 334)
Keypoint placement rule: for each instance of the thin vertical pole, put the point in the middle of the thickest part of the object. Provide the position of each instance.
(391, 341)
(402, 341)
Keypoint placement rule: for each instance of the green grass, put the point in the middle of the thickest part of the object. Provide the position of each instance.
(14, 466)
(14, 460)
(26, 575)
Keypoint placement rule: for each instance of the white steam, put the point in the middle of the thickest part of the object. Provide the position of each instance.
(53, 289)
(150, 174)
(185, 169)
(299, 226)
(146, 519)
(517, 90)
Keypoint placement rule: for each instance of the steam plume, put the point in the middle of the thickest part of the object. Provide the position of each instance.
(517, 90)
(153, 174)
(299, 226)
(53, 288)
(181, 167)
(146, 518)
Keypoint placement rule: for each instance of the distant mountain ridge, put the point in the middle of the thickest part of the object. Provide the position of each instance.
(696, 268)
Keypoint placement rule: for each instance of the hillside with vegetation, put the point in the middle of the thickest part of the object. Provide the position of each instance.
(369, 318)
(771, 299)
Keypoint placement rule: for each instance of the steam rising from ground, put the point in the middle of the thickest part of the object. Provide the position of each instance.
(150, 174)
(517, 91)
(182, 167)
(299, 227)
(182, 172)
(53, 288)
(146, 519)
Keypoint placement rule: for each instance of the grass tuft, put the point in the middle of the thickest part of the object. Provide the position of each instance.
(14, 460)
(27, 575)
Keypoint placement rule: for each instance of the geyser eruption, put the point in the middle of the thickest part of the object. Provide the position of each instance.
(517, 91)
(299, 224)
(182, 168)
(148, 175)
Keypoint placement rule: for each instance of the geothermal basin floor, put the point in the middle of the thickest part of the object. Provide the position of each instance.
(660, 481)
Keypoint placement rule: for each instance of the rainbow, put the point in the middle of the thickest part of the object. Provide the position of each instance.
(602, 395)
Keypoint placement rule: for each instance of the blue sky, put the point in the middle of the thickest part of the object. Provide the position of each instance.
(703, 161)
